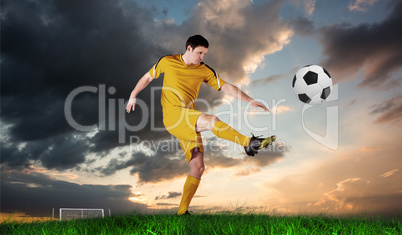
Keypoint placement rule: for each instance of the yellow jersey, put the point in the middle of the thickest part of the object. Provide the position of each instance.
(181, 83)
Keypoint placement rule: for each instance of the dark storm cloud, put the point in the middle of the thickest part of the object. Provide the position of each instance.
(60, 152)
(373, 47)
(36, 194)
(158, 168)
(164, 164)
(49, 49)
(217, 154)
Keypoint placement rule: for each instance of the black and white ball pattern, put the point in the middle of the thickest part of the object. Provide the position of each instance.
(312, 84)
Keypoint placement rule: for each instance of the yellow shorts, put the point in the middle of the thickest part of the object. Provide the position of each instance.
(181, 122)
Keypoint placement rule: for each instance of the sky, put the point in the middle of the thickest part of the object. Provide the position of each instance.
(68, 67)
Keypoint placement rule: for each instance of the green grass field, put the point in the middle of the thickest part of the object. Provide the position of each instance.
(209, 224)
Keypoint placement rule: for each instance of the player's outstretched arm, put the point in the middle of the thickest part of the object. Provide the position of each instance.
(142, 83)
(240, 95)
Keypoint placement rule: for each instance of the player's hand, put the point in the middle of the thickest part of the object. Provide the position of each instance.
(131, 104)
(257, 104)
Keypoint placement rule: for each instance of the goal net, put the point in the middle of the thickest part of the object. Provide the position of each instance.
(80, 213)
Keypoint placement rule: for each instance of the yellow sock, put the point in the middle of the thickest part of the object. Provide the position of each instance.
(189, 189)
(224, 131)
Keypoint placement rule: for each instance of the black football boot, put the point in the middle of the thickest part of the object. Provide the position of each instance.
(257, 143)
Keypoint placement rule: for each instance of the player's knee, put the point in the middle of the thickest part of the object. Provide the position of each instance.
(214, 119)
(197, 170)
(201, 172)
(201, 168)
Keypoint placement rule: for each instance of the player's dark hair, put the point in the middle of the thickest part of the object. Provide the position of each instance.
(196, 41)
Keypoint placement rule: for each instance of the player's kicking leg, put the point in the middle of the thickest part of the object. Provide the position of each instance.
(222, 130)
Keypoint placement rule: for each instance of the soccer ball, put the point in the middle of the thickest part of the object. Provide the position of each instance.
(312, 84)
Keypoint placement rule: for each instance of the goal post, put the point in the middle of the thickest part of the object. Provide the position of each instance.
(80, 213)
